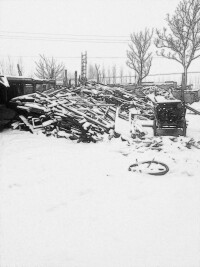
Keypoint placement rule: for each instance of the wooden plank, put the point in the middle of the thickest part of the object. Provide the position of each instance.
(57, 91)
(107, 127)
(25, 121)
(192, 109)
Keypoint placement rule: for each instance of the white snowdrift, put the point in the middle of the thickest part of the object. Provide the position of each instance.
(67, 204)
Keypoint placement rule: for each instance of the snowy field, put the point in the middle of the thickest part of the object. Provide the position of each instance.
(64, 204)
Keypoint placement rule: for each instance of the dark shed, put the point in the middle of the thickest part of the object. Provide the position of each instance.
(12, 86)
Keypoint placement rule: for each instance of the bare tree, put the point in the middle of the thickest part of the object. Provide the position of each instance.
(10, 70)
(129, 74)
(114, 73)
(91, 71)
(2, 67)
(20, 66)
(108, 74)
(97, 67)
(7, 67)
(48, 68)
(139, 57)
(121, 74)
(103, 73)
(183, 41)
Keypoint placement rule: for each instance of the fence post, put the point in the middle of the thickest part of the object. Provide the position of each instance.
(75, 78)
(69, 85)
(65, 78)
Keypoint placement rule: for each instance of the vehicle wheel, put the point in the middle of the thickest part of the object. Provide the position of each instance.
(150, 167)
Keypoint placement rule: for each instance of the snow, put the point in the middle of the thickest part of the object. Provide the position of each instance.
(68, 204)
(4, 81)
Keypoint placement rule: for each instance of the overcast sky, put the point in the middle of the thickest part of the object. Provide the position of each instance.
(65, 28)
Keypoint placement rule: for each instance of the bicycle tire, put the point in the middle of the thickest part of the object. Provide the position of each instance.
(152, 173)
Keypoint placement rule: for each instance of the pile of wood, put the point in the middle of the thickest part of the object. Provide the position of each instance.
(165, 91)
(64, 114)
(118, 96)
(83, 113)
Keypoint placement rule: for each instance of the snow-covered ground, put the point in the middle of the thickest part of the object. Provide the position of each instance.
(68, 204)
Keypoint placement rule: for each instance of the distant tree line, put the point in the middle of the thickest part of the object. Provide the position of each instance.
(179, 41)
(8, 67)
(105, 75)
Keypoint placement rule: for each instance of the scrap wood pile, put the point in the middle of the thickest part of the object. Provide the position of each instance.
(162, 90)
(64, 114)
(118, 96)
(83, 113)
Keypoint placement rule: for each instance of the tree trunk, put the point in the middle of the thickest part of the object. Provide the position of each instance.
(140, 75)
(185, 76)
(139, 81)
(184, 83)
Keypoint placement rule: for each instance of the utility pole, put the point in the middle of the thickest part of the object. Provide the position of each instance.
(65, 79)
(83, 68)
(19, 70)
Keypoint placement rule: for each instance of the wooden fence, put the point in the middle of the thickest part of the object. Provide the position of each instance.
(193, 78)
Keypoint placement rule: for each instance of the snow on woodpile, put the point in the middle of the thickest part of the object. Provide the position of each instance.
(82, 114)
(64, 114)
(92, 113)
(162, 90)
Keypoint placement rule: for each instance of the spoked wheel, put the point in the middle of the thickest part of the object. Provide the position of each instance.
(150, 167)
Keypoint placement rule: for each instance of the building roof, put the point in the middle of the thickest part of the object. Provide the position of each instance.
(6, 79)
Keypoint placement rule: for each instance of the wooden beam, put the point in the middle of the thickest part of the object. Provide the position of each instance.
(192, 109)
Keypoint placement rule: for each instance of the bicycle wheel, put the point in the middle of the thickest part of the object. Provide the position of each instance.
(149, 167)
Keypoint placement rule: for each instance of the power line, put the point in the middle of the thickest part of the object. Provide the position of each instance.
(175, 73)
(77, 57)
(47, 38)
(25, 56)
(63, 40)
(67, 34)
(155, 74)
